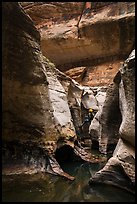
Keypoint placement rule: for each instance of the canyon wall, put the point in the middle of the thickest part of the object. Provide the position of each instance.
(41, 105)
(34, 103)
(120, 168)
(96, 45)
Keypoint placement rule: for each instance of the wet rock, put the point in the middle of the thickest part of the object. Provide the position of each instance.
(119, 170)
(55, 168)
(86, 155)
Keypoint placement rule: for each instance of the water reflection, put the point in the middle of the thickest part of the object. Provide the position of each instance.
(49, 188)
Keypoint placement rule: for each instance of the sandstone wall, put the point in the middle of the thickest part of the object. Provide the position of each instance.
(120, 168)
(29, 114)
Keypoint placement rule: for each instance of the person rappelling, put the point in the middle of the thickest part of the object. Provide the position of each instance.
(88, 118)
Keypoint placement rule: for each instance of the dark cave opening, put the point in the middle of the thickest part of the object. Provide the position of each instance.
(95, 144)
(66, 154)
(111, 147)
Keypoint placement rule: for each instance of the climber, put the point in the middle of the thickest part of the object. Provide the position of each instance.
(88, 117)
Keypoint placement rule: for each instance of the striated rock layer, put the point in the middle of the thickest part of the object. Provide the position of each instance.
(32, 109)
(97, 44)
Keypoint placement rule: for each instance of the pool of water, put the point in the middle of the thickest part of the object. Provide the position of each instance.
(49, 188)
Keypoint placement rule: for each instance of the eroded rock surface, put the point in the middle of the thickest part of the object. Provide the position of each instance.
(43, 108)
(120, 168)
(96, 46)
(110, 119)
(36, 114)
(31, 107)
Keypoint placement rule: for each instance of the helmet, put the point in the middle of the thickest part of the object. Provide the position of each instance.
(90, 110)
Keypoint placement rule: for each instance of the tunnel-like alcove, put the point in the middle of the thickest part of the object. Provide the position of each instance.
(67, 159)
(66, 154)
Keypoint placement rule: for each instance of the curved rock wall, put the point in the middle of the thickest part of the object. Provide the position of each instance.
(36, 115)
(120, 168)
(31, 108)
(24, 78)
(127, 99)
(110, 119)
(35, 108)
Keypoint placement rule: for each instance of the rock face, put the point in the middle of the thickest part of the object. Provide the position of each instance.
(35, 115)
(24, 78)
(127, 100)
(120, 168)
(98, 44)
(95, 128)
(43, 108)
(59, 103)
(95, 41)
(107, 121)
(47, 13)
(77, 73)
(37, 119)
